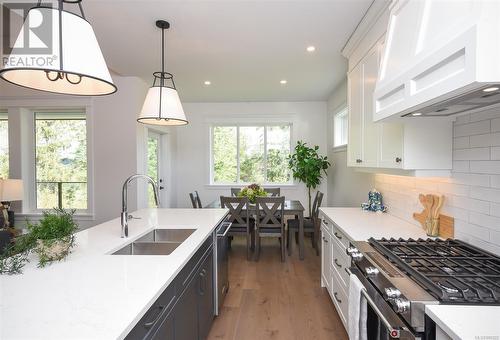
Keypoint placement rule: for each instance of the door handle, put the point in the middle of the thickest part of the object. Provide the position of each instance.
(161, 188)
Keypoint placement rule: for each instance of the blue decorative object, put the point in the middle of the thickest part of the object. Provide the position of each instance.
(374, 202)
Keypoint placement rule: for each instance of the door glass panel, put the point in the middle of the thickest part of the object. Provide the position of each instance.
(153, 163)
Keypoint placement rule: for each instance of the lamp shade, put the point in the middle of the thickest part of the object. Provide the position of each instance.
(75, 66)
(162, 106)
(11, 190)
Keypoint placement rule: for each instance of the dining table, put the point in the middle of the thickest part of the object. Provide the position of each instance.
(291, 208)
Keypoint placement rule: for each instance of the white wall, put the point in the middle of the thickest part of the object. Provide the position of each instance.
(114, 142)
(192, 161)
(346, 187)
(472, 194)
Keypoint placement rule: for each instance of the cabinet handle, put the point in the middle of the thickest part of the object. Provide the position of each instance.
(398, 159)
(151, 323)
(359, 160)
(201, 289)
(337, 263)
(337, 236)
(325, 222)
(336, 298)
(324, 239)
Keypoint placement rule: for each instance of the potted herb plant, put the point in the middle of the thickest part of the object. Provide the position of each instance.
(53, 235)
(308, 166)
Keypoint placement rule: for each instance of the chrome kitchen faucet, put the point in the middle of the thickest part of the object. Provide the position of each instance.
(125, 217)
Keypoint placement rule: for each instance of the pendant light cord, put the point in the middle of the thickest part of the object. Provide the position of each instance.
(162, 78)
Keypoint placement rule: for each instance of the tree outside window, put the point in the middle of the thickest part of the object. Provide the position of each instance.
(251, 154)
(4, 146)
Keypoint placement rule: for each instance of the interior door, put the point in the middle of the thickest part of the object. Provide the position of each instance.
(155, 168)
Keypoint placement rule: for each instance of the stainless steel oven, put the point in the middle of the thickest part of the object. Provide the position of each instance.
(221, 264)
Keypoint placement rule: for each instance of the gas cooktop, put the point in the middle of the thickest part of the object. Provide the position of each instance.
(452, 271)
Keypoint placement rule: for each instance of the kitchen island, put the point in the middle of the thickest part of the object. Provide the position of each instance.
(96, 295)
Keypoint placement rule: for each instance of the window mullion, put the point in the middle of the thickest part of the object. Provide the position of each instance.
(238, 154)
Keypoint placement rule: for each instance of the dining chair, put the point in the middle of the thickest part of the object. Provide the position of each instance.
(311, 225)
(242, 224)
(274, 192)
(269, 221)
(235, 192)
(195, 200)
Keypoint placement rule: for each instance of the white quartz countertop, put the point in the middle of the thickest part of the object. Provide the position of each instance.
(467, 322)
(94, 295)
(359, 225)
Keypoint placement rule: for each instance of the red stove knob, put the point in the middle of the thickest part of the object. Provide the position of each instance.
(394, 333)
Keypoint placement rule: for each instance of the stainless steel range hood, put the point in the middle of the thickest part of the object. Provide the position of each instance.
(441, 58)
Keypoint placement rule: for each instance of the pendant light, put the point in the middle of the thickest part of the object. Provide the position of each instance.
(74, 64)
(162, 105)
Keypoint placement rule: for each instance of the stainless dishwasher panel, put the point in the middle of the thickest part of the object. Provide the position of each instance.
(221, 265)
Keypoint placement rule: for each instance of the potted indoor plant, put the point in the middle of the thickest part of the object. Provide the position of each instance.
(53, 235)
(252, 191)
(308, 166)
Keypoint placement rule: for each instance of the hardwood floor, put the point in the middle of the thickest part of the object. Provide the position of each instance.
(270, 299)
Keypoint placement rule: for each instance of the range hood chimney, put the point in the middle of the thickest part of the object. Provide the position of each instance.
(440, 58)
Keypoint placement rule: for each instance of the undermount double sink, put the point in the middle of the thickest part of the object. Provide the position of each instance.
(156, 242)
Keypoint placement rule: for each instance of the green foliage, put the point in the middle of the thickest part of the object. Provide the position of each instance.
(308, 166)
(152, 166)
(61, 156)
(54, 225)
(15, 257)
(4, 149)
(252, 192)
(224, 154)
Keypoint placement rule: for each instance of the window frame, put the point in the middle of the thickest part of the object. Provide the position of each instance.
(237, 126)
(341, 113)
(84, 111)
(4, 116)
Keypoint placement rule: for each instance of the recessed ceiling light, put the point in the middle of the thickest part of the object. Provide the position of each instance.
(310, 49)
(491, 89)
(416, 114)
(207, 82)
(283, 82)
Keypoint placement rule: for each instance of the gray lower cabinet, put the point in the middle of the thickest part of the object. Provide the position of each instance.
(185, 310)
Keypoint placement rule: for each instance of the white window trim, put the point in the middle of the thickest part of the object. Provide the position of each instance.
(341, 109)
(242, 122)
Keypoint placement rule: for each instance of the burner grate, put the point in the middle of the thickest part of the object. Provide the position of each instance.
(451, 270)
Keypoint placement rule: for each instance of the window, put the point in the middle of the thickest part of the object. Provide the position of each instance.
(251, 154)
(61, 160)
(340, 124)
(4, 145)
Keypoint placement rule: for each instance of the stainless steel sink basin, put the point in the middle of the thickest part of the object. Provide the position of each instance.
(166, 235)
(148, 248)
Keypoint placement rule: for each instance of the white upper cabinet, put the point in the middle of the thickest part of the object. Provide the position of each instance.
(409, 145)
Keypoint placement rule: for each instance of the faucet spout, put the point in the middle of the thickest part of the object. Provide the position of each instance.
(124, 215)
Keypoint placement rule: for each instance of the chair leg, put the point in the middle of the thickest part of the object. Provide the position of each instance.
(282, 247)
(316, 243)
(296, 237)
(289, 242)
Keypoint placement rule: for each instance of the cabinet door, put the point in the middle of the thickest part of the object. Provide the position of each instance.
(391, 145)
(186, 313)
(166, 329)
(326, 258)
(355, 93)
(370, 130)
(205, 297)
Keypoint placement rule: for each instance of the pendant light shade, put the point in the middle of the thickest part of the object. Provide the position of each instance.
(162, 105)
(75, 65)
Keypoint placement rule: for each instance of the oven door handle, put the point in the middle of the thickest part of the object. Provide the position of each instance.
(228, 224)
(394, 332)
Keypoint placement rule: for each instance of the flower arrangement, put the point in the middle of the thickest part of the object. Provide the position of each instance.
(252, 191)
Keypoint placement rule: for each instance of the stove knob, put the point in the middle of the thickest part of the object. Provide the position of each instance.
(357, 256)
(402, 305)
(392, 292)
(371, 271)
(352, 250)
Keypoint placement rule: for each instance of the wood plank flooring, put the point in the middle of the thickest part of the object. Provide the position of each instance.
(270, 299)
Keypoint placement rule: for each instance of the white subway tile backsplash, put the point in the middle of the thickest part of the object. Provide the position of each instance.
(473, 154)
(461, 142)
(470, 129)
(495, 125)
(485, 167)
(487, 194)
(495, 153)
(472, 193)
(489, 139)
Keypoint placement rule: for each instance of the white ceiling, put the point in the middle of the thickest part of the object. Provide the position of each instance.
(243, 47)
